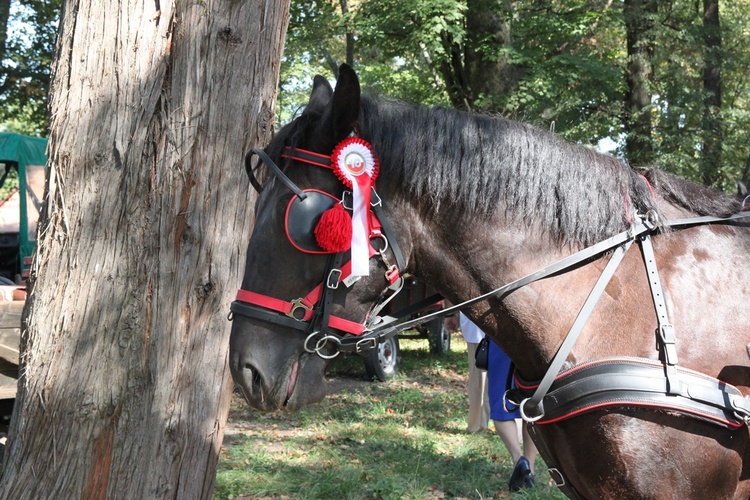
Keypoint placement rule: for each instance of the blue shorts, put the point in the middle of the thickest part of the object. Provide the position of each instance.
(498, 366)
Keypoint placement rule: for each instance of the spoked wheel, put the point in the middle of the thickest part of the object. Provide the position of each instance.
(382, 363)
(438, 336)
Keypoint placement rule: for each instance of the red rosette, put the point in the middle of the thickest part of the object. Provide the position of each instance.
(352, 158)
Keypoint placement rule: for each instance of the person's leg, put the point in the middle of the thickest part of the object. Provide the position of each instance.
(529, 448)
(508, 432)
(498, 368)
(479, 411)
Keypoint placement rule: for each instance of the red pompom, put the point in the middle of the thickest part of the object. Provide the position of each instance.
(334, 230)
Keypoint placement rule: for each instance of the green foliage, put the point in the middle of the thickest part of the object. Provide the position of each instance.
(541, 61)
(25, 77)
(561, 63)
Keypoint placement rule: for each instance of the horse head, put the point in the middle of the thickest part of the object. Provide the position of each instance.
(298, 298)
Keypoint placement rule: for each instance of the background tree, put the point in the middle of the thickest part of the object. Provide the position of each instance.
(640, 35)
(25, 65)
(712, 124)
(4, 17)
(551, 63)
(124, 389)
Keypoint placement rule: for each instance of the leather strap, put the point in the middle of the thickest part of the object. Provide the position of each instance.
(277, 171)
(553, 465)
(665, 340)
(532, 408)
(376, 204)
(259, 306)
(309, 157)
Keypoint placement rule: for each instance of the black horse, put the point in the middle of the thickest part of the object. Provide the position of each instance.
(483, 207)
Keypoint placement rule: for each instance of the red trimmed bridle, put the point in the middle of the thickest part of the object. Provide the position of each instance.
(312, 313)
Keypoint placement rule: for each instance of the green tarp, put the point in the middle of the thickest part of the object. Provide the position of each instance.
(22, 149)
(30, 155)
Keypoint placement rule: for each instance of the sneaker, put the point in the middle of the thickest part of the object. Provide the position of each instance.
(521, 476)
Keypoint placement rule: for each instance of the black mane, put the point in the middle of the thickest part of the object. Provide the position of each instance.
(462, 164)
(480, 164)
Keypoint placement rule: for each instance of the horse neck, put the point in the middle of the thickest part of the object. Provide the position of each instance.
(466, 258)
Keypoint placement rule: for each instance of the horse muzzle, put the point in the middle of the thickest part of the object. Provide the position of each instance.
(274, 375)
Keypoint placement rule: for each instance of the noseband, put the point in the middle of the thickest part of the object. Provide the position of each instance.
(312, 313)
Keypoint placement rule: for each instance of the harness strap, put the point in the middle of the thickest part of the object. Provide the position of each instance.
(278, 172)
(245, 308)
(377, 205)
(309, 157)
(384, 330)
(553, 464)
(666, 340)
(323, 313)
(246, 303)
(533, 405)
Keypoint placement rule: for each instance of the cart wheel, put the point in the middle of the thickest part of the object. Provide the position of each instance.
(382, 363)
(438, 336)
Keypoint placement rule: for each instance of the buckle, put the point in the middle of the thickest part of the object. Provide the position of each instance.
(365, 344)
(297, 304)
(392, 274)
(557, 476)
(347, 200)
(333, 279)
(668, 340)
(375, 200)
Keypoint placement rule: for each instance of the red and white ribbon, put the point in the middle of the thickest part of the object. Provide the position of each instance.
(355, 163)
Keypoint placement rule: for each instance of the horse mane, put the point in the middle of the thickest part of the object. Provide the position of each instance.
(477, 164)
(459, 164)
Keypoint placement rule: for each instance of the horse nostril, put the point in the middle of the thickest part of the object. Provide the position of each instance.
(257, 380)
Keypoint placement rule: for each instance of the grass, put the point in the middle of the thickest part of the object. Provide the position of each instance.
(403, 439)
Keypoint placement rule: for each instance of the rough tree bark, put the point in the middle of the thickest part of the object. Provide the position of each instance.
(125, 390)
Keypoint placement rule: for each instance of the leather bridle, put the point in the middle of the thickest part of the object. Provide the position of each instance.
(312, 313)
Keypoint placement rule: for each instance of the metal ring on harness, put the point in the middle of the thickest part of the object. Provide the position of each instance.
(320, 344)
(385, 243)
(524, 416)
(505, 403)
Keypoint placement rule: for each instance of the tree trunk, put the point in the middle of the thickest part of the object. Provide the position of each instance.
(489, 78)
(4, 16)
(125, 387)
(475, 80)
(712, 123)
(638, 16)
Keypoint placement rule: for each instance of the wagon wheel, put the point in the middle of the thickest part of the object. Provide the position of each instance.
(438, 336)
(382, 363)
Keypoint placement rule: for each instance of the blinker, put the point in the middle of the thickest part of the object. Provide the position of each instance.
(303, 215)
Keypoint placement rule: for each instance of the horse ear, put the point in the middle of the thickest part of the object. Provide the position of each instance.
(346, 97)
(320, 96)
